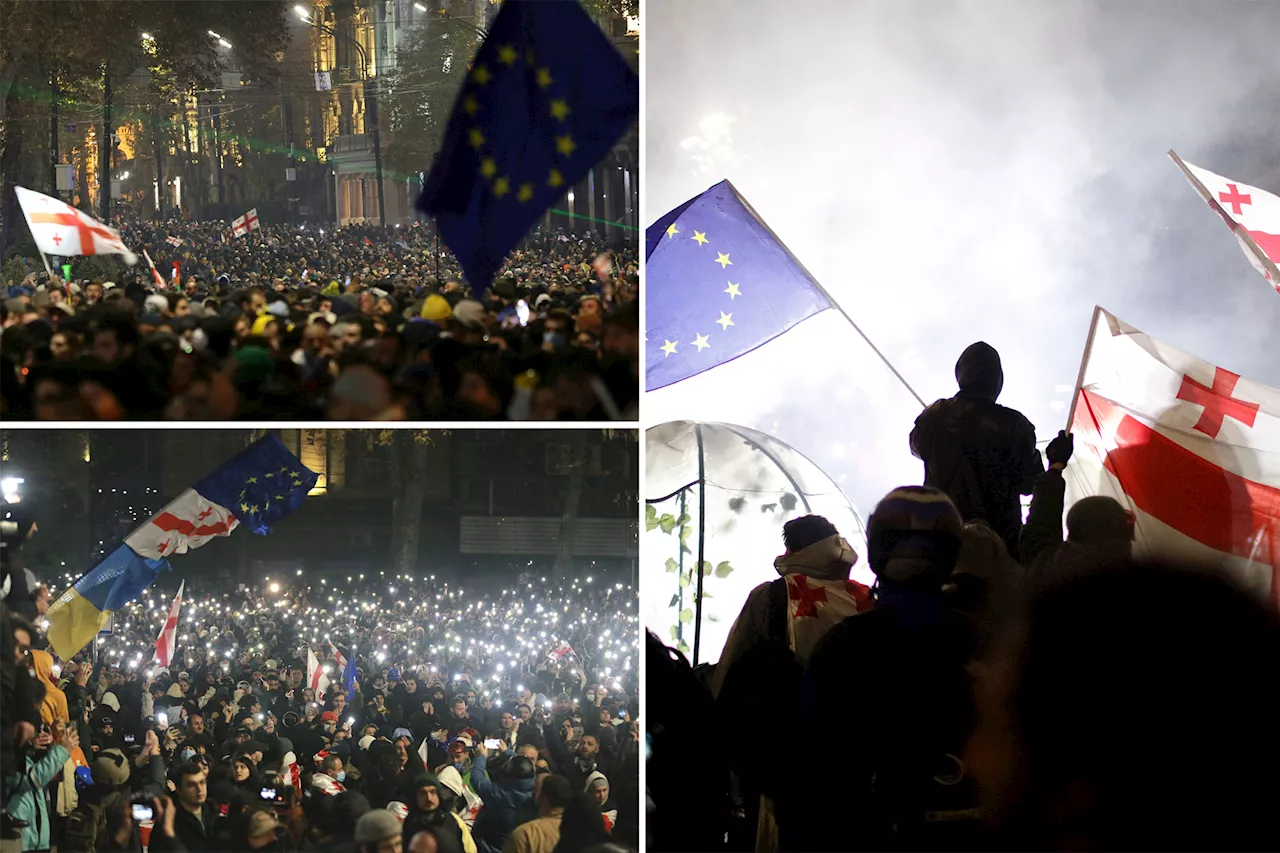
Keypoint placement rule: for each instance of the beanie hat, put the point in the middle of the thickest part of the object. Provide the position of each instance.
(111, 767)
(255, 364)
(914, 521)
(375, 826)
(260, 324)
(157, 303)
(469, 313)
(436, 308)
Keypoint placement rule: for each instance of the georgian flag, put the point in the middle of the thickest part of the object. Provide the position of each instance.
(560, 651)
(167, 640)
(316, 679)
(173, 241)
(60, 229)
(337, 656)
(1253, 215)
(186, 522)
(1191, 449)
(242, 225)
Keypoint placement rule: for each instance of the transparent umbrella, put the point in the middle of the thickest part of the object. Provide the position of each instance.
(717, 496)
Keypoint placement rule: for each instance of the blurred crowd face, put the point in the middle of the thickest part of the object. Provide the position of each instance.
(193, 791)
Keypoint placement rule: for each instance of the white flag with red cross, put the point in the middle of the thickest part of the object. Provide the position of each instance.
(316, 679)
(1190, 449)
(242, 225)
(167, 640)
(59, 229)
(186, 522)
(1253, 215)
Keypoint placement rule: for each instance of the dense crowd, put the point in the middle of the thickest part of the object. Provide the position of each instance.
(471, 719)
(359, 323)
(1000, 687)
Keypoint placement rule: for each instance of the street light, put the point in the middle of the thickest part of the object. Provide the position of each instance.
(372, 107)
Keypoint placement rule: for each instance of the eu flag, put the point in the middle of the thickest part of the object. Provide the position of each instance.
(262, 484)
(545, 100)
(702, 258)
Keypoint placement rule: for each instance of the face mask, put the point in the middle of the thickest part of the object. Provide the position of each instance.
(188, 754)
(342, 775)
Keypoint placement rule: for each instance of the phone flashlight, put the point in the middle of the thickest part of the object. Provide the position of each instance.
(522, 312)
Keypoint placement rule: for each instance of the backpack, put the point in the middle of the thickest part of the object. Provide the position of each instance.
(83, 829)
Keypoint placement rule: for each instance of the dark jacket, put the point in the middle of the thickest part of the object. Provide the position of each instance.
(1041, 547)
(980, 453)
(501, 801)
(209, 832)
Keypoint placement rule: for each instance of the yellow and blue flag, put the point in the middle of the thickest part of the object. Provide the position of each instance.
(260, 485)
(546, 98)
(702, 258)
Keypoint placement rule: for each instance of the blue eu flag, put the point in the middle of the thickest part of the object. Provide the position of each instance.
(261, 484)
(545, 99)
(702, 258)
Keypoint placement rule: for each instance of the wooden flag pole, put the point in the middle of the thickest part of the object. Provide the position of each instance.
(47, 268)
(1084, 365)
(1236, 228)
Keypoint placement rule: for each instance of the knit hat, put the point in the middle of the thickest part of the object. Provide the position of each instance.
(279, 308)
(111, 767)
(436, 308)
(157, 303)
(375, 826)
(914, 522)
(261, 823)
(260, 324)
(469, 313)
(255, 364)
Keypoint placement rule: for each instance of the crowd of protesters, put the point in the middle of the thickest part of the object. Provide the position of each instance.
(469, 720)
(359, 323)
(1000, 687)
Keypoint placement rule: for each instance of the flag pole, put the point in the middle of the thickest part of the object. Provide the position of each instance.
(760, 221)
(1236, 228)
(47, 268)
(1084, 365)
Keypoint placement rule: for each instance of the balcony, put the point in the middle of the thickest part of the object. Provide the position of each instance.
(352, 143)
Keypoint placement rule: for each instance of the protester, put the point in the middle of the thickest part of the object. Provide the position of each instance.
(358, 323)
(541, 835)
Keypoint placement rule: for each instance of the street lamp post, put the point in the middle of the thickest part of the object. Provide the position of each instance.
(371, 106)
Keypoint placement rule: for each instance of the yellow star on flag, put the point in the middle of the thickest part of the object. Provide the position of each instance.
(251, 510)
(733, 291)
(481, 75)
(700, 341)
(507, 54)
(252, 480)
(725, 321)
(471, 105)
(560, 109)
(564, 144)
(488, 167)
(244, 507)
(525, 193)
(477, 138)
(723, 260)
(672, 231)
(501, 186)
(544, 77)
(555, 179)
(669, 348)
(700, 237)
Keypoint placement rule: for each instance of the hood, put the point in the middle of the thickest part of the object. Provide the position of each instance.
(978, 372)
(42, 662)
(596, 774)
(451, 779)
(827, 559)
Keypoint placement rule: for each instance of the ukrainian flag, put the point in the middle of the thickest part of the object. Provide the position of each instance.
(260, 485)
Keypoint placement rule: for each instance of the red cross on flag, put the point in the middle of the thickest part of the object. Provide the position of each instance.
(1191, 449)
(168, 638)
(815, 606)
(60, 229)
(1253, 215)
(186, 522)
(316, 678)
(242, 225)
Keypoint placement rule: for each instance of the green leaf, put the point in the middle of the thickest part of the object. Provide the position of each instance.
(685, 533)
(675, 599)
(684, 578)
(667, 523)
(650, 517)
(672, 565)
(675, 632)
(683, 520)
(723, 570)
(684, 549)
(707, 568)
(686, 615)
(683, 647)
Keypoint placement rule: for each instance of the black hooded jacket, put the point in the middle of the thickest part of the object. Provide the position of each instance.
(982, 454)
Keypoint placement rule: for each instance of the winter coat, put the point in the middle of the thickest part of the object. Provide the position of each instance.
(27, 802)
(55, 701)
(501, 800)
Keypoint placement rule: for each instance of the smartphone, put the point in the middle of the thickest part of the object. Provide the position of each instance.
(162, 719)
(268, 794)
(141, 813)
(492, 743)
(128, 738)
(522, 312)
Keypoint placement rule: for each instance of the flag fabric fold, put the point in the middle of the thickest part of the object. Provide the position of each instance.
(1191, 449)
(349, 677)
(316, 679)
(1252, 214)
(257, 487)
(242, 225)
(60, 229)
(702, 258)
(167, 640)
(546, 98)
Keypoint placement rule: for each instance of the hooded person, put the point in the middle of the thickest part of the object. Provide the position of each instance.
(466, 804)
(598, 790)
(433, 808)
(55, 701)
(910, 694)
(502, 798)
(981, 454)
